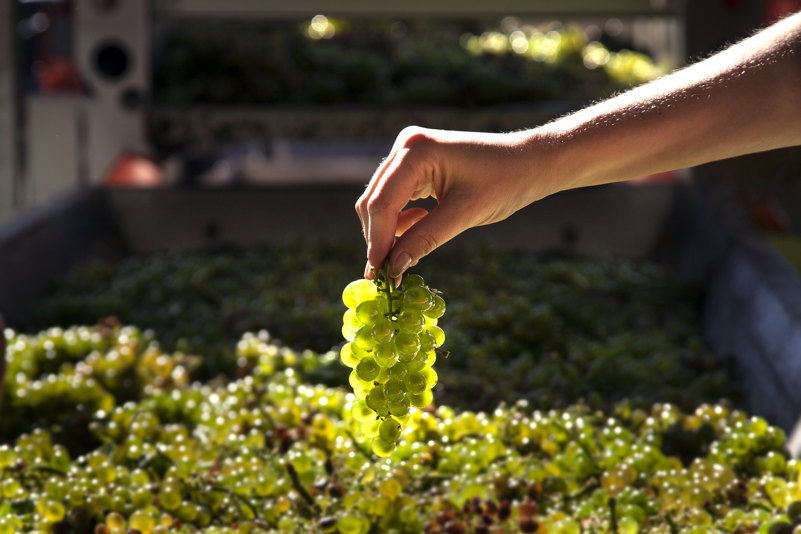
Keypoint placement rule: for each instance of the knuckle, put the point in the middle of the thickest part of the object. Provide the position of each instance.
(376, 205)
(428, 242)
(414, 136)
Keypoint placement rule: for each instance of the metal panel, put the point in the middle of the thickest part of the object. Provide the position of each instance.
(450, 8)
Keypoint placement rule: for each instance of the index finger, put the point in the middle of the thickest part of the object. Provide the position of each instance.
(394, 188)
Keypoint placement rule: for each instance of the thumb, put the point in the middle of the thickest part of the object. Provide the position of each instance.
(432, 230)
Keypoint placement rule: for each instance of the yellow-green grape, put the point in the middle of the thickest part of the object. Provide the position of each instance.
(382, 331)
(351, 523)
(142, 521)
(369, 311)
(382, 448)
(416, 383)
(385, 355)
(417, 363)
(416, 298)
(360, 387)
(411, 321)
(362, 412)
(438, 334)
(412, 280)
(350, 324)
(400, 409)
(389, 430)
(54, 511)
(364, 338)
(390, 488)
(115, 521)
(377, 401)
(394, 390)
(406, 344)
(170, 497)
(399, 371)
(421, 400)
(370, 428)
(359, 291)
(430, 376)
(427, 342)
(368, 369)
(350, 355)
(437, 308)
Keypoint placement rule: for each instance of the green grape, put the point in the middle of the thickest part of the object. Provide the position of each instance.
(398, 371)
(350, 523)
(394, 390)
(54, 511)
(357, 292)
(363, 338)
(437, 308)
(416, 298)
(407, 344)
(368, 312)
(421, 400)
(427, 342)
(362, 412)
(360, 387)
(169, 496)
(438, 334)
(412, 280)
(382, 331)
(430, 377)
(382, 377)
(115, 521)
(350, 355)
(416, 363)
(411, 321)
(399, 409)
(384, 354)
(382, 448)
(416, 383)
(142, 498)
(142, 521)
(376, 401)
(350, 320)
(370, 428)
(367, 369)
(390, 430)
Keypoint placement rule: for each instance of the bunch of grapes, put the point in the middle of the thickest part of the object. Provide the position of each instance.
(393, 338)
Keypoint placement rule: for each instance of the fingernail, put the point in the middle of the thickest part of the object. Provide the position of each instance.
(367, 270)
(400, 264)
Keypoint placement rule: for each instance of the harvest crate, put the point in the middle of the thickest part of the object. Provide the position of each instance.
(752, 306)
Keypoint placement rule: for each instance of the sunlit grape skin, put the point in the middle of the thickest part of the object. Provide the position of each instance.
(394, 372)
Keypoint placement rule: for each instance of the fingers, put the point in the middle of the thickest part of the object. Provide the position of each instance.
(382, 204)
(432, 230)
(407, 218)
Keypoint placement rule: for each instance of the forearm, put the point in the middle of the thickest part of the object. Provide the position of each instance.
(745, 99)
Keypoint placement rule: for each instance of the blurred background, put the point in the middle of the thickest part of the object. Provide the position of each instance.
(206, 93)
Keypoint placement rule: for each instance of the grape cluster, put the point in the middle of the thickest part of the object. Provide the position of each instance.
(392, 338)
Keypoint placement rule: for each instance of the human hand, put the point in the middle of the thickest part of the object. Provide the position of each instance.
(476, 178)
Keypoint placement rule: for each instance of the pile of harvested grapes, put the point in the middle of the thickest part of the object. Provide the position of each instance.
(175, 426)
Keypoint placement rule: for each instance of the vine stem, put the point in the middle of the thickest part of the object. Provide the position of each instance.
(300, 488)
(613, 515)
(385, 281)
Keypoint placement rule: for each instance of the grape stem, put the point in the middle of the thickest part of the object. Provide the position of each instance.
(671, 525)
(613, 515)
(300, 488)
(384, 282)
